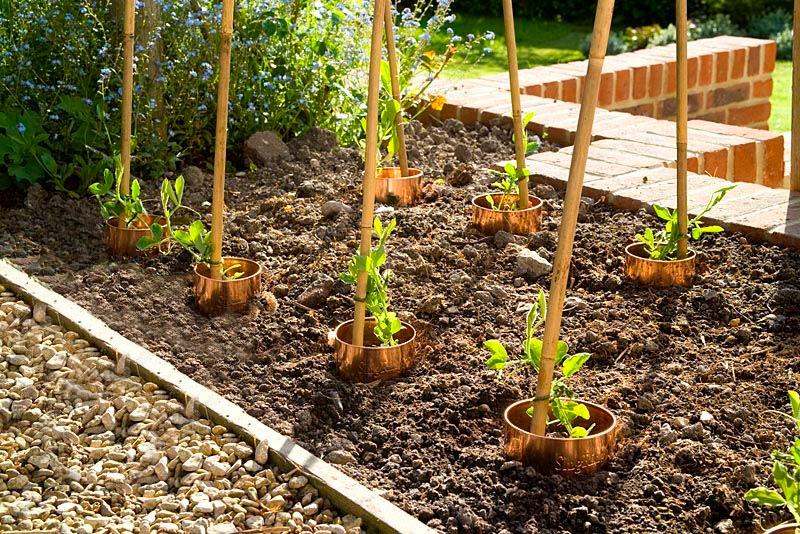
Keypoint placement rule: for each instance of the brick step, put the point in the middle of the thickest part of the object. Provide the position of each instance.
(735, 153)
(760, 212)
(732, 152)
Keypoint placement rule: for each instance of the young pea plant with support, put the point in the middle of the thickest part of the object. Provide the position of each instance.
(565, 410)
(377, 300)
(388, 144)
(663, 244)
(194, 238)
(510, 176)
(785, 470)
(114, 203)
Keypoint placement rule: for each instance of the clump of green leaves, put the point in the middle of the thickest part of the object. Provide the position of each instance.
(663, 244)
(785, 471)
(115, 203)
(24, 156)
(171, 203)
(564, 409)
(510, 176)
(194, 237)
(377, 300)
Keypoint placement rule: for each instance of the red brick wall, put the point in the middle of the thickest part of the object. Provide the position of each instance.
(730, 81)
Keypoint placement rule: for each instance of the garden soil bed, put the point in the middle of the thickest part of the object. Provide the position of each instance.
(691, 372)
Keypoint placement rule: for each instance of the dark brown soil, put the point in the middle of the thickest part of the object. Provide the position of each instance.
(431, 441)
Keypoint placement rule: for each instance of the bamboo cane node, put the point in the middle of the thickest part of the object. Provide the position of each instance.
(360, 299)
(540, 398)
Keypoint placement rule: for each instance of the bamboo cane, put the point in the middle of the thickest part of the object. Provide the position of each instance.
(221, 141)
(128, 28)
(682, 96)
(795, 170)
(569, 219)
(370, 167)
(516, 106)
(391, 52)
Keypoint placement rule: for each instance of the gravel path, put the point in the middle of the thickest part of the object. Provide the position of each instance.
(85, 447)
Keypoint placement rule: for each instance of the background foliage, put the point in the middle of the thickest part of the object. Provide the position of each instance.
(296, 64)
(627, 12)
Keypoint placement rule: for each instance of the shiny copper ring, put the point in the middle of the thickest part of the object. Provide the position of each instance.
(519, 222)
(565, 456)
(371, 361)
(122, 241)
(393, 188)
(658, 273)
(217, 296)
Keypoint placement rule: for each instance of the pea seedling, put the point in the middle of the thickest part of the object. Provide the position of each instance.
(377, 300)
(113, 203)
(510, 176)
(565, 410)
(785, 471)
(195, 239)
(663, 245)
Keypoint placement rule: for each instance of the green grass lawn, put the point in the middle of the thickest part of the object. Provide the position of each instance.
(781, 118)
(539, 42)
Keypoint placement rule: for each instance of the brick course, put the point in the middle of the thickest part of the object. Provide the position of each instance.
(729, 79)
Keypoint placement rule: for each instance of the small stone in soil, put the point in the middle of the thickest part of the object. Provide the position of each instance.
(503, 239)
(532, 264)
(332, 209)
(340, 457)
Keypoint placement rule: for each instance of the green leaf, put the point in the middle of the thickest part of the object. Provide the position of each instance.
(386, 77)
(662, 212)
(782, 478)
(542, 304)
(195, 230)
(580, 410)
(49, 163)
(135, 189)
(561, 350)
(157, 231)
(527, 118)
(578, 432)
(499, 355)
(794, 400)
(146, 242)
(765, 497)
(574, 363)
(533, 351)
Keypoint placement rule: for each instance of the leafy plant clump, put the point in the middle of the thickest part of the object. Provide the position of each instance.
(297, 64)
(663, 244)
(193, 237)
(510, 176)
(564, 409)
(785, 471)
(115, 203)
(377, 300)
